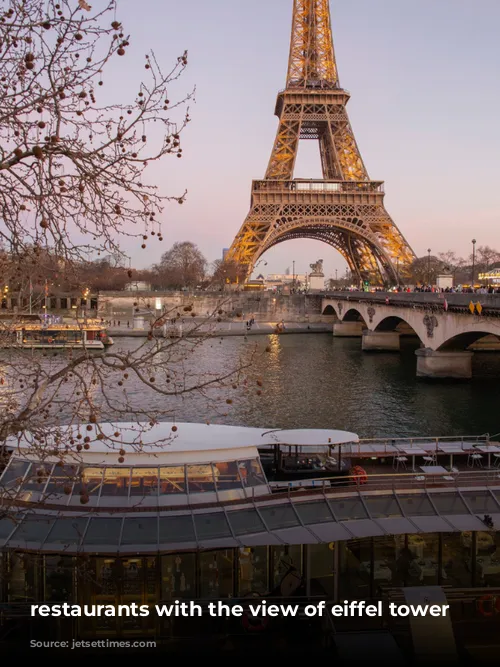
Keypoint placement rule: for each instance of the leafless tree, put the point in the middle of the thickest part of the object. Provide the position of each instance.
(72, 184)
(452, 263)
(424, 270)
(226, 272)
(485, 258)
(183, 265)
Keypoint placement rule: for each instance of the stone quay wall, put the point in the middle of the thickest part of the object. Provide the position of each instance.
(262, 306)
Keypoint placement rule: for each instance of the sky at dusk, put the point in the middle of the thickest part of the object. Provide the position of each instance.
(424, 79)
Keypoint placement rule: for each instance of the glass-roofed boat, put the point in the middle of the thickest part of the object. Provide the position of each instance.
(169, 512)
(55, 334)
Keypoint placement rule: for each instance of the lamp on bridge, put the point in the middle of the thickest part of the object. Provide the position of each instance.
(473, 262)
(429, 266)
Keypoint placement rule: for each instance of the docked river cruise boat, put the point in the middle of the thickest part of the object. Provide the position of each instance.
(197, 512)
(91, 336)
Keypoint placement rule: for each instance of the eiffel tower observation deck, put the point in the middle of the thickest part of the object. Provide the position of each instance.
(345, 208)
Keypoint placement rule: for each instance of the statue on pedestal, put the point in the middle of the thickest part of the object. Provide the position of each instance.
(316, 277)
(317, 269)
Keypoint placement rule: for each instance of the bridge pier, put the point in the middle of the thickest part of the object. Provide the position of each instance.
(348, 329)
(383, 341)
(432, 364)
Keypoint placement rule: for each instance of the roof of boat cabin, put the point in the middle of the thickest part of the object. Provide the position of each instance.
(178, 437)
(173, 442)
(310, 437)
(188, 437)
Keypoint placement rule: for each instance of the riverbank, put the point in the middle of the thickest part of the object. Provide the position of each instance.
(191, 330)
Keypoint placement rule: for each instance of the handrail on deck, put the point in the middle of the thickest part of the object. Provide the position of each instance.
(393, 481)
(462, 440)
(435, 438)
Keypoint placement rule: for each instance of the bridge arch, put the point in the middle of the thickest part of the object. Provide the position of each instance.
(463, 341)
(396, 323)
(329, 310)
(354, 315)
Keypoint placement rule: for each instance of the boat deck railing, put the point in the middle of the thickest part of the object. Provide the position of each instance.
(389, 445)
(392, 481)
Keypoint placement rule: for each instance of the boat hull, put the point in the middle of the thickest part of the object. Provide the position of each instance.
(89, 345)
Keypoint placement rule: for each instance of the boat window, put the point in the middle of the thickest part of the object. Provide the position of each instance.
(23, 578)
(34, 528)
(103, 531)
(251, 473)
(115, 482)
(144, 482)
(36, 479)
(200, 478)
(227, 476)
(59, 572)
(210, 526)
(416, 505)
(348, 508)
(279, 516)
(140, 531)
(7, 525)
(14, 473)
(172, 480)
(69, 530)
(216, 573)
(176, 529)
(246, 521)
(284, 558)
(61, 480)
(252, 571)
(480, 502)
(449, 503)
(314, 512)
(90, 481)
(382, 506)
(178, 576)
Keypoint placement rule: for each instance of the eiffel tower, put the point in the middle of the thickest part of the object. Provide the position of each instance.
(345, 208)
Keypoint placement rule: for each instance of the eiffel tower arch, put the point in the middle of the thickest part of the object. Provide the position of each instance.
(345, 208)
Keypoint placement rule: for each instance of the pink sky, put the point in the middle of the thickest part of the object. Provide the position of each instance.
(424, 80)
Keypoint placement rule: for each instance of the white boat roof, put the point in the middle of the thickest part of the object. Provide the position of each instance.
(187, 443)
(169, 443)
(309, 437)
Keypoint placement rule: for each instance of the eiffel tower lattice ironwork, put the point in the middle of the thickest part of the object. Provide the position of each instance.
(345, 208)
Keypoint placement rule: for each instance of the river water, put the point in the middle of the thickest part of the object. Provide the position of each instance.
(317, 381)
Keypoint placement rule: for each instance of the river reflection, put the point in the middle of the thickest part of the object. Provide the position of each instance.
(316, 381)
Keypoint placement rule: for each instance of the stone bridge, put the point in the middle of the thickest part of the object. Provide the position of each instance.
(446, 325)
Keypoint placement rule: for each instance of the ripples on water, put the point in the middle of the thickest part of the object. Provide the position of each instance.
(316, 381)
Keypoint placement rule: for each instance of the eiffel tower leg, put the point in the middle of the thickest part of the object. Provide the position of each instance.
(351, 163)
(249, 243)
(284, 153)
(329, 162)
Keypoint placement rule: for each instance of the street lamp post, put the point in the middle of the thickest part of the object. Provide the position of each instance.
(397, 270)
(473, 262)
(429, 267)
(293, 276)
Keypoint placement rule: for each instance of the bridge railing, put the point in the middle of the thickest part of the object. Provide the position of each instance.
(409, 299)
